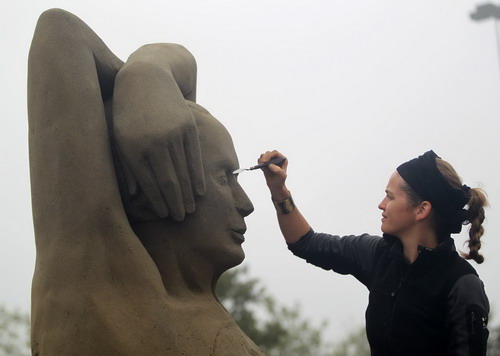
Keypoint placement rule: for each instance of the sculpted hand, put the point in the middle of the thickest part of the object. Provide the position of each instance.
(158, 140)
(275, 175)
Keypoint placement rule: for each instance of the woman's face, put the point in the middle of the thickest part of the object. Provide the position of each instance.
(398, 216)
(217, 225)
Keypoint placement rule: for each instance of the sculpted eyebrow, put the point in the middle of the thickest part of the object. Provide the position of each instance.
(224, 164)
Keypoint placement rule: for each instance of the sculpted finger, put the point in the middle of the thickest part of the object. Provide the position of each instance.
(193, 161)
(124, 174)
(180, 167)
(188, 188)
(143, 172)
(168, 180)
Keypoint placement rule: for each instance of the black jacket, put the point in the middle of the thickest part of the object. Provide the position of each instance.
(434, 306)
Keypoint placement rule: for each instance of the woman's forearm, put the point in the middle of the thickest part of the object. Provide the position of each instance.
(292, 224)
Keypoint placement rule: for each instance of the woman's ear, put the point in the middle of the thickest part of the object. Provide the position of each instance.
(423, 210)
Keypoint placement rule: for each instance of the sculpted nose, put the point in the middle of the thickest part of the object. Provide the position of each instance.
(243, 203)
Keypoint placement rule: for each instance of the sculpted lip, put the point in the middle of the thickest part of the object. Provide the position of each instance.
(238, 235)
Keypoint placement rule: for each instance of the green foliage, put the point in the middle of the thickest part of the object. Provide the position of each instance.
(354, 344)
(494, 341)
(14, 333)
(274, 328)
(277, 329)
(281, 331)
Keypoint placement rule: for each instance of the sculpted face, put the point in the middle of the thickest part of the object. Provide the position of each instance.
(215, 230)
(211, 237)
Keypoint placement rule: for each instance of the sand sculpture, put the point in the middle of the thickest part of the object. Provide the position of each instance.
(135, 209)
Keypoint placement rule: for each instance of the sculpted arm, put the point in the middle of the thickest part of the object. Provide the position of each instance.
(95, 290)
(155, 131)
(70, 71)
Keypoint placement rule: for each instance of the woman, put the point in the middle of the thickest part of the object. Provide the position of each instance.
(424, 298)
(133, 225)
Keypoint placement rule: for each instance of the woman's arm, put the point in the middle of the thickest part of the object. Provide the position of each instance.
(347, 255)
(293, 225)
(467, 317)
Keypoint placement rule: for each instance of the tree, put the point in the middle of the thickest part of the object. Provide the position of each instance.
(283, 331)
(277, 329)
(354, 344)
(494, 341)
(14, 333)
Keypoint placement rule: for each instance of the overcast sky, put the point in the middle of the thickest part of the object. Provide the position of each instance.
(347, 89)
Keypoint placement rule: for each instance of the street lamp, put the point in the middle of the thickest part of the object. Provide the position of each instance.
(487, 11)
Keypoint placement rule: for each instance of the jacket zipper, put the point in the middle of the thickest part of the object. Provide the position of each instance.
(473, 321)
(394, 295)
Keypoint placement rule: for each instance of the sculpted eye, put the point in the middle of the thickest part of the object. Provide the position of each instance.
(222, 180)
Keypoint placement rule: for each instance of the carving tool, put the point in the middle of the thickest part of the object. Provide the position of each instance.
(277, 161)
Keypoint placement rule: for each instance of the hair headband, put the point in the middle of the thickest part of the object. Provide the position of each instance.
(423, 176)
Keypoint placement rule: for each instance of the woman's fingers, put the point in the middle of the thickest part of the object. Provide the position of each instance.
(265, 157)
(275, 175)
(275, 169)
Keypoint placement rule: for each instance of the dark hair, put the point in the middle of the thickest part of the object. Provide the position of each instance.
(476, 204)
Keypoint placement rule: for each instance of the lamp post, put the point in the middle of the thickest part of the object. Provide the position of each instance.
(487, 11)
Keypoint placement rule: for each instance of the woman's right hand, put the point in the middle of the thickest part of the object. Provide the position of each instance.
(275, 175)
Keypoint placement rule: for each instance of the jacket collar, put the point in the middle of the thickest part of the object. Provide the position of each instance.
(445, 247)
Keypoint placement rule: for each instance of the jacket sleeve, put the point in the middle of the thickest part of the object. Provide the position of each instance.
(345, 255)
(467, 318)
